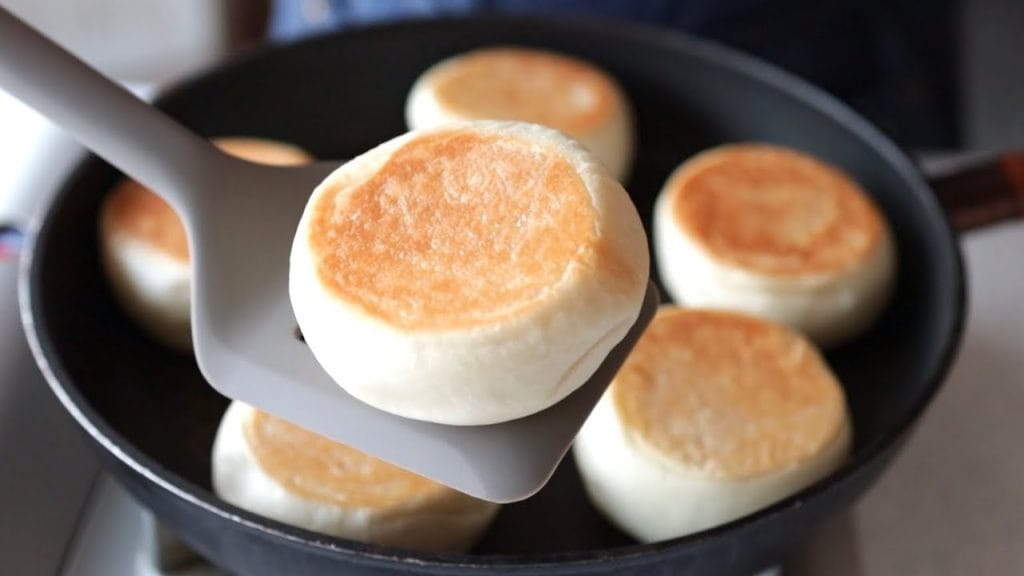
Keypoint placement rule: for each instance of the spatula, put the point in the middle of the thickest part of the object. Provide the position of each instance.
(241, 218)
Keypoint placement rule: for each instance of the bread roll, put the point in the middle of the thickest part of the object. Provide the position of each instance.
(714, 415)
(145, 252)
(529, 85)
(274, 468)
(469, 274)
(776, 233)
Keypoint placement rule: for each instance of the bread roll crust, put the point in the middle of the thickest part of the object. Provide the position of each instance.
(529, 85)
(469, 274)
(714, 415)
(727, 394)
(145, 252)
(272, 467)
(774, 232)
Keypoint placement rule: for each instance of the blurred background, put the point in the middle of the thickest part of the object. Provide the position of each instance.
(931, 73)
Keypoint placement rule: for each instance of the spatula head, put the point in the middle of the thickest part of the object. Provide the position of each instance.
(247, 346)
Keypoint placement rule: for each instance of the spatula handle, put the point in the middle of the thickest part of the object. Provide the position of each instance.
(109, 120)
(983, 193)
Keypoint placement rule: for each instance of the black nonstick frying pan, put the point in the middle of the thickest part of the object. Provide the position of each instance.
(152, 417)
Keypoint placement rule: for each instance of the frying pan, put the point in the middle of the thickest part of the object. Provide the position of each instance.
(152, 417)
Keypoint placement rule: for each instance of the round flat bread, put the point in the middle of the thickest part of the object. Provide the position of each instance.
(469, 274)
(145, 250)
(777, 233)
(713, 415)
(274, 468)
(529, 85)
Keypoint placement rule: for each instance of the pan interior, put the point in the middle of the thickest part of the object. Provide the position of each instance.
(338, 96)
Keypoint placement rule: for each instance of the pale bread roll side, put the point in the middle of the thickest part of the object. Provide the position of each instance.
(529, 85)
(777, 233)
(276, 469)
(145, 253)
(469, 274)
(713, 416)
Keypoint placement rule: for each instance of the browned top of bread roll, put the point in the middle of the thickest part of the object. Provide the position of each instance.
(529, 85)
(311, 466)
(263, 151)
(774, 211)
(135, 211)
(458, 228)
(728, 394)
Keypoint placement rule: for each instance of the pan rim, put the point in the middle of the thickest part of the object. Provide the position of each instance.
(54, 371)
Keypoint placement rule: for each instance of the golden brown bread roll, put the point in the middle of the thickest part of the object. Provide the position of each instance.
(469, 274)
(529, 85)
(274, 468)
(774, 232)
(145, 251)
(713, 416)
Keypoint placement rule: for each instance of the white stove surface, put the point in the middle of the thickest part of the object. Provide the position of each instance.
(951, 503)
(118, 537)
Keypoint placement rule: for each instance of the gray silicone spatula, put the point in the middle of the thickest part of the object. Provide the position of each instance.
(240, 219)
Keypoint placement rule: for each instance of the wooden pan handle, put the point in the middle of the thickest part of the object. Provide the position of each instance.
(984, 193)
